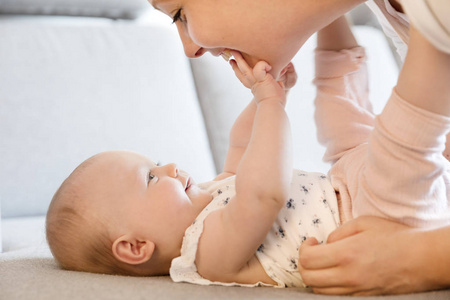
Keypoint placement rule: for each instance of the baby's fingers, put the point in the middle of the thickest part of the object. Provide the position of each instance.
(290, 77)
(245, 69)
(260, 70)
(239, 74)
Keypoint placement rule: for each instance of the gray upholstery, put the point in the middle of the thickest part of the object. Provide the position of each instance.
(33, 274)
(29, 272)
(69, 92)
(115, 9)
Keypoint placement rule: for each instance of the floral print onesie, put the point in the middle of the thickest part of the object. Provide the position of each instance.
(310, 211)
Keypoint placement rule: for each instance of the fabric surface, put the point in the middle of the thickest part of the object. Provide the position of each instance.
(70, 91)
(431, 18)
(32, 274)
(25, 232)
(394, 24)
(115, 9)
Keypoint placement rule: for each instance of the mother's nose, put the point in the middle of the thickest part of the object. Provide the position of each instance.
(191, 49)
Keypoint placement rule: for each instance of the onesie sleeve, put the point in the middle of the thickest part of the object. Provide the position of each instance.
(343, 112)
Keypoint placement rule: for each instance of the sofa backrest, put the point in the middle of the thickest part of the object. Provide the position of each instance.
(69, 90)
(114, 9)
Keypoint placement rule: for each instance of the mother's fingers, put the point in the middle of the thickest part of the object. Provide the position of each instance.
(327, 278)
(338, 280)
(313, 256)
(346, 230)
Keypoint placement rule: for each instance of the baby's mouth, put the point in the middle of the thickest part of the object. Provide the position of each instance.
(188, 184)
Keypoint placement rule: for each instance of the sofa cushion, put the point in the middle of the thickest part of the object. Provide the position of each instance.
(70, 91)
(33, 274)
(116, 9)
(20, 233)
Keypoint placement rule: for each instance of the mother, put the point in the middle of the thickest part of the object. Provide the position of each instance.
(367, 255)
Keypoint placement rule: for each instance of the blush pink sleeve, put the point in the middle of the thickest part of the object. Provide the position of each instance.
(343, 113)
(390, 166)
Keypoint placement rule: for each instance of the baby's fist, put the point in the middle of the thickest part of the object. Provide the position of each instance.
(265, 86)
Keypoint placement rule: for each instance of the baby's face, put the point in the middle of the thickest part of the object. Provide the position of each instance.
(267, 30)
(143, 198)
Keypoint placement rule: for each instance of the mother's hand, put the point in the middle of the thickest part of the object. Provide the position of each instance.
(367, 256)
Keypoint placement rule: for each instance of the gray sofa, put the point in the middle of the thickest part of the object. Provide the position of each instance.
(78, 78)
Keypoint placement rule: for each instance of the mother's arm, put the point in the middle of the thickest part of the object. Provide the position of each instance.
(372, 256)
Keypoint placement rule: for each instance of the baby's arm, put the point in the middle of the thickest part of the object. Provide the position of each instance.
(239, 138)
(232, 235)
(242, 128)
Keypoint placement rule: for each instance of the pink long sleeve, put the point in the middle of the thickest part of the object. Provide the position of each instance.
(390, 166)
(342, 94)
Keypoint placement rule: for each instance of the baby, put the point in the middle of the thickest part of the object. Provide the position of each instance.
(120, 213)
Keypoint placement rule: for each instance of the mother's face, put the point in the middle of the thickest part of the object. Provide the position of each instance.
(269, 30)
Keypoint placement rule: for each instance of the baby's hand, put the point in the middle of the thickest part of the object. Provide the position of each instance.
(262, 84)
(289, 78)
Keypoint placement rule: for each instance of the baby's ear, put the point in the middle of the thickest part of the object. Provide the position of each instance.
(132, 251)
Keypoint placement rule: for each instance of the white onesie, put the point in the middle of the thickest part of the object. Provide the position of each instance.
(310, 211)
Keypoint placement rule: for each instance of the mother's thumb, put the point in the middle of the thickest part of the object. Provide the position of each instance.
(312, 241)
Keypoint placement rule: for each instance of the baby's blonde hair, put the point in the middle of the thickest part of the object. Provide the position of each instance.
(78, 240)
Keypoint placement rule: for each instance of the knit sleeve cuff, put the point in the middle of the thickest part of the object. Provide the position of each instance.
(330, 63)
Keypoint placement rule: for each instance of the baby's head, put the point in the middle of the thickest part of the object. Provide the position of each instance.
(120, 213)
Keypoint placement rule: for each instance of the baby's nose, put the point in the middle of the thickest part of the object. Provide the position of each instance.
(172, 170)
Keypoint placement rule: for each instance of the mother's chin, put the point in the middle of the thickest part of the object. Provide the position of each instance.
(278, 68)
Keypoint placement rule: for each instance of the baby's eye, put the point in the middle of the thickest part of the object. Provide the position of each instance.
(150, 176)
